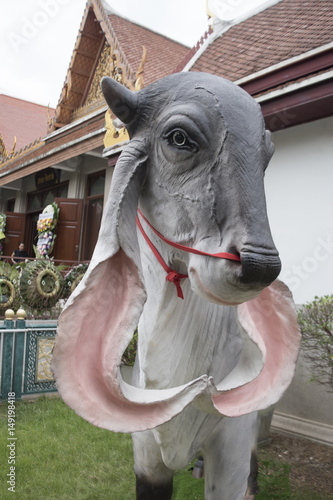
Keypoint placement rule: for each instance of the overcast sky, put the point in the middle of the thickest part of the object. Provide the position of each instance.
(37, 37)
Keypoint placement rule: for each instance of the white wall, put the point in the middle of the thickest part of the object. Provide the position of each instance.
(299, 191)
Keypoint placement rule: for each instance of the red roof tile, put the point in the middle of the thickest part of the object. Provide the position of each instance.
(163, 54)
(285, 30)
(24, 120)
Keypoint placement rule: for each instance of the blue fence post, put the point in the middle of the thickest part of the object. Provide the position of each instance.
(7, 355)
(19, 354)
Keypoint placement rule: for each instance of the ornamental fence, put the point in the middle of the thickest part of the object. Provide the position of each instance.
(40, 286)
(25, 356)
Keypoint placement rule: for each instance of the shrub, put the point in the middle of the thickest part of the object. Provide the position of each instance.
(130, 352)
(316, 324)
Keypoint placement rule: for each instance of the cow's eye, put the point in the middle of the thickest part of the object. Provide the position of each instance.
(179, 139)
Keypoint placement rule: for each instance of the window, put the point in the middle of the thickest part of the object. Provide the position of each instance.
(10, 205)
(38, 200)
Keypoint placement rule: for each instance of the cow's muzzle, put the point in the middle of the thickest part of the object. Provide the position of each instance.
(259, 268)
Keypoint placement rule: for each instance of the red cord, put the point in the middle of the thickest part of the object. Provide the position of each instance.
(172, 275)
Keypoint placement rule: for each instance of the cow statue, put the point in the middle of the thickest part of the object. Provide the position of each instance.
(184, 252)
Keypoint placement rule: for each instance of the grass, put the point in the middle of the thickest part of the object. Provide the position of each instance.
(60, 456)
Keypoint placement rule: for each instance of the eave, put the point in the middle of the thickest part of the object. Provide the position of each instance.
(297, 67)
(295, 91)
(298, 103)
(83, 138)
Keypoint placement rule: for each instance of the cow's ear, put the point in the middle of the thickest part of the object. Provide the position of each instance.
(270, 321)
(269, 146)
(122, 101)
(119, 215)
(100, 317)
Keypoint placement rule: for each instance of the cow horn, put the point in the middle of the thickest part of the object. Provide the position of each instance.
(122, 101)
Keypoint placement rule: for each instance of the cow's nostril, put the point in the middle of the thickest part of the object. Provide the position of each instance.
(259, 268)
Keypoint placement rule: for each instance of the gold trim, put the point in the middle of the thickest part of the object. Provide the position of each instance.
(14, 155)
(112, 135)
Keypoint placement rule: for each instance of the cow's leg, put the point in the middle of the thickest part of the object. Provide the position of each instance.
(252, 483)
(153, 478)
(227, 458)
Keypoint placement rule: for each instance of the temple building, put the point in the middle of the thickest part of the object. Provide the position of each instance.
(281, 53)
(64, 160)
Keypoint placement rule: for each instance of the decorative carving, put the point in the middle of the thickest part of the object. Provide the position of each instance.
(116, 71)
(33, 383)
(44, 356)
(128, 77)
(95, 92)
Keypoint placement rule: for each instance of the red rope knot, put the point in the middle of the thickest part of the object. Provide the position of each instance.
(175, 278)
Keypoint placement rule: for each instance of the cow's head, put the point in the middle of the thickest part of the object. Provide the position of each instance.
(207, 151)
(195, 166)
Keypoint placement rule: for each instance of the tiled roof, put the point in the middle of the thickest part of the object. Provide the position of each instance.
(163, 54)
(24, 120)
(287, 29)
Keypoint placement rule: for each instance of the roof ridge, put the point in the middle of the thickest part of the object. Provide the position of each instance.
(180, 66)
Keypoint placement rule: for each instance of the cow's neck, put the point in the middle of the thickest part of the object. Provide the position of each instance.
(180, 339)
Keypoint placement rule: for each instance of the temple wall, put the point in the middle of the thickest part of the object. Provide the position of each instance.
(306, 408)
(299, 184)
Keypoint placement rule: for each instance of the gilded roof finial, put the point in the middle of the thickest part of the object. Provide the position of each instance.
(139, 74)
(210, 14)
(3, 151)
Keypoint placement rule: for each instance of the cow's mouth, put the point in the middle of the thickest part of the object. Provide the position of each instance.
(207, 293)
(226, 290)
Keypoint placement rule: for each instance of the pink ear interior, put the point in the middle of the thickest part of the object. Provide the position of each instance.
(270, 321)
(93, 332)
(92, 335)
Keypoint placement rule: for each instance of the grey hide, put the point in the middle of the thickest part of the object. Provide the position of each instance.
(205, 364)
